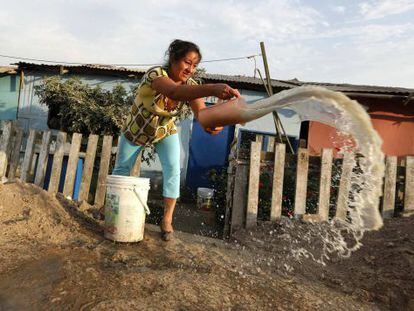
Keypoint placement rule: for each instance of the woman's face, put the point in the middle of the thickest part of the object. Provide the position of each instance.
(185, 67)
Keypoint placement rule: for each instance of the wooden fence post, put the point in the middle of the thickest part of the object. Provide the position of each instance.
(231, 184)
(270, 144)
(88, 167)
(72, 165)
(28, 155)
(344, 186)
(15, 155)
(57, 163)
(4, 147)
(278, 174)
(103, 170)
(42, 160)
(325, 184)
(409, 185)
(388, 199)
(238, 213)
(253, 191)
(301, 181)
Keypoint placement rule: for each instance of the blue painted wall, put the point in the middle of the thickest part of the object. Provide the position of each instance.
(9, 93)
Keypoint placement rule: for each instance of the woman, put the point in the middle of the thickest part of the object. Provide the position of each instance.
(160, 97)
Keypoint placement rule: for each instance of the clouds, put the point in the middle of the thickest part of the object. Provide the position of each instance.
(342, 42)
(382, 8)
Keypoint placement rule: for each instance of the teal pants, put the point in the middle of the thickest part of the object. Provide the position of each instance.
(168, 150)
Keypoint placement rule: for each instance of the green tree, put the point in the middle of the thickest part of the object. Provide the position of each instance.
(75, 106)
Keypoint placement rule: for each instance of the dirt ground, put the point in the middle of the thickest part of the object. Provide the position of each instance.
(53, 257)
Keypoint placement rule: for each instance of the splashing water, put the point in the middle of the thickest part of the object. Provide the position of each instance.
(347, 116)
(350, 119)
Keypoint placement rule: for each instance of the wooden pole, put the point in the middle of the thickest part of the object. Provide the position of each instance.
(278, 124)
(266, 68)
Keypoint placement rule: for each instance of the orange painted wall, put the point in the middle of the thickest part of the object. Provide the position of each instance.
(394, 123)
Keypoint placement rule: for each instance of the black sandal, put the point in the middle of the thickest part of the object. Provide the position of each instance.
(166, 235)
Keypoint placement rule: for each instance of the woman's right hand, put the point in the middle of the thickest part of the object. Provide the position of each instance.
(224, 91)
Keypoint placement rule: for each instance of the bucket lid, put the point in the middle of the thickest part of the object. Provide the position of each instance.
(205, 192)
(125, 181)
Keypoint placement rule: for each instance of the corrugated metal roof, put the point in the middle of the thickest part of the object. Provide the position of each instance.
(288, 84)
(233, 79)
(8, 69)
(349, 88)
(82, 68)
(244, 79)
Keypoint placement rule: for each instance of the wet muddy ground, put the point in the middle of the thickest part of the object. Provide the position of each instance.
(53, 257)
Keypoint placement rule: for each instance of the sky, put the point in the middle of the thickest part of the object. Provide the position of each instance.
(360, 42)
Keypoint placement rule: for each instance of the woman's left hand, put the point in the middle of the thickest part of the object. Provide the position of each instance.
(214, 131)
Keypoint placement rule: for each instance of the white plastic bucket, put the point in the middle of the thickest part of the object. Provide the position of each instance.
(205, 198)
(126, 207)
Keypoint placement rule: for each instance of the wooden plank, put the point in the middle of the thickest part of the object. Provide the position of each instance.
(259, 138)
(253, 191)
(270, 144)
(103, 171)
(388, 199)
(344, 186)
(42, 161)
(409, 184)
(88, 167)
(72, 165)
(5, 146)
(278, 174)
(28, 155)
(325, 184)
(301, 181)
(57, 162)
(136, 169)
(238, 213)
(15, 155)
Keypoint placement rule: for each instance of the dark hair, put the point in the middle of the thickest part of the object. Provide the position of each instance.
(178, 49)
